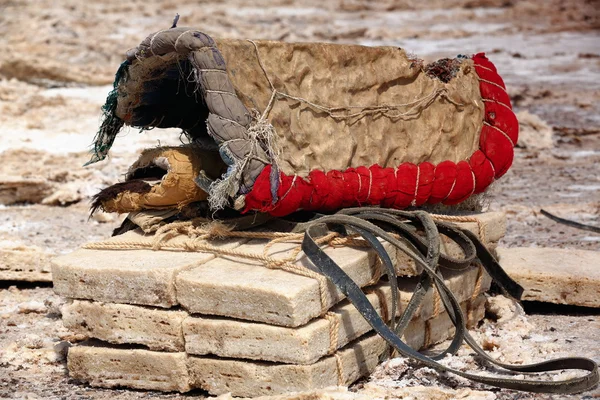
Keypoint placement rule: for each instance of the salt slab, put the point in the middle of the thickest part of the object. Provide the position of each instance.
(176, 330)
(143, 277)
(561, 276)
(205, 335)
(225, 285)
(105, 366)
(24, 263)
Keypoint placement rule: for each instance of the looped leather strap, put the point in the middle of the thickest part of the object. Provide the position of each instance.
(371, 224)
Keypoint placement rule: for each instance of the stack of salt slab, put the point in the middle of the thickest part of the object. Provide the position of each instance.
(176, 320)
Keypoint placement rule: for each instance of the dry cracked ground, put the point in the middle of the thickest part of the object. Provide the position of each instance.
(57, 62)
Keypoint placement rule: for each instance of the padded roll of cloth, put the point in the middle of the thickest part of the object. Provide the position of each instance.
(161, 178)
(318, 126)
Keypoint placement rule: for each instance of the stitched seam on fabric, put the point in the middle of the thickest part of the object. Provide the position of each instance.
(493, 83)
(370, 185)
(152, 40)
(484, 67)
(452, 188)
(290, 188)
(179, 37)
(474, 181)
(504, 133)
(497, 102)
(414, 200)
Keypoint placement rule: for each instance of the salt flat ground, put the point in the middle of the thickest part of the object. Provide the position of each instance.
(56, 67)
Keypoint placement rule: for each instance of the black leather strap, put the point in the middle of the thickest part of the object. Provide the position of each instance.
(426, 254)
(568, 222)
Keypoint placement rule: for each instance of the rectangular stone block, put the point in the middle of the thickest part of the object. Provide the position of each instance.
(161, 329)
(219, 376)
(246, 289)
(440, 328)
(22, 189)
(105, 366)
(561, 276)
(156, 328)
(109, 367)
(357, 359)
(223, 287)
(306, 344)
(493, 224)
(465, 285)
(143, 277)
(148, 277)
(19, 262)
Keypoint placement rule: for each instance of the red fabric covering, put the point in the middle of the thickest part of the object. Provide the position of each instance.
(482, 169)
(409, 184)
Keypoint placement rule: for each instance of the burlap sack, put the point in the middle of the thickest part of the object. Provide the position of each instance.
(320, 126)
(380, 108)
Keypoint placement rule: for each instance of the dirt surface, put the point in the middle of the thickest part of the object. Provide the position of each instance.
(58, 61)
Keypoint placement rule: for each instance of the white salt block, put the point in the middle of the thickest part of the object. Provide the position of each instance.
(561, 276)
(144, 369)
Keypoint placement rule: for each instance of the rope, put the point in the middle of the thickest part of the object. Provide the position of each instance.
(478, 283)
(196, 245)
(353, 241)
(334, 329)
(198, 235)
(457, 218)
(340, 369)
(476, 292)
(427, 336)
(436, 303)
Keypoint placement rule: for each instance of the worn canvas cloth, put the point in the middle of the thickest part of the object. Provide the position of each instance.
(319, 126)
